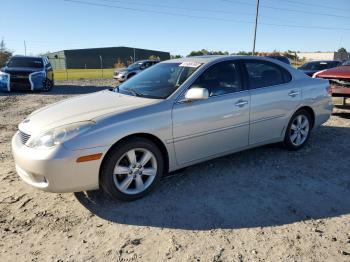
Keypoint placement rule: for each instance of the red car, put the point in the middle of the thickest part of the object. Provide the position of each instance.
(339, 79)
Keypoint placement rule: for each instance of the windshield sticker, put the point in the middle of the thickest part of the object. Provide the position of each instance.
(190, 64)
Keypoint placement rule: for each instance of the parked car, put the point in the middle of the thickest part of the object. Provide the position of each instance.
(313, 67)
(172, 115)
(339, 78)
(280, 58)
(133, 69)
(27, 73)
(347, 62)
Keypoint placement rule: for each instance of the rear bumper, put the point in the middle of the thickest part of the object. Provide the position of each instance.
(56, 169)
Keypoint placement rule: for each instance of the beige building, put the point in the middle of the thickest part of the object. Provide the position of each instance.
(312, 56)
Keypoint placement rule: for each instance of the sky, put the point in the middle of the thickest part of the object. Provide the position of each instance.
(175, 26)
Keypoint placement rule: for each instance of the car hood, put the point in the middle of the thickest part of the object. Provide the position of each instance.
(16, 70)
(81, 108)
(336, 72)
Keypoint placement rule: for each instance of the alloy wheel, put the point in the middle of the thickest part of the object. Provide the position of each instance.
(299, 130)
(135, 171)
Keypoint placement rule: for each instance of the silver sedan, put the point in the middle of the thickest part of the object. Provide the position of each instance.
(172, 115)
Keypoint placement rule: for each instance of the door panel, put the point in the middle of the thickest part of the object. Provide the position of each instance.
(274, 97)
(270, 110)
(205, 128)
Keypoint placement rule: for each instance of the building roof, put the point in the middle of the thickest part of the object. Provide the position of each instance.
(110, 47)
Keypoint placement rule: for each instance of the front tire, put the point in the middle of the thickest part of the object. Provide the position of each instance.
(48, 85)
(132, 169)
(298, 130)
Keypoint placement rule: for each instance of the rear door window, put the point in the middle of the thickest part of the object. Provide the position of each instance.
(263, 74)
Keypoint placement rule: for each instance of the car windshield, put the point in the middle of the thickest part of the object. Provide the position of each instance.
(134, 66)
(317, 65)
(346, 63)
(159, 81)
(25, 62)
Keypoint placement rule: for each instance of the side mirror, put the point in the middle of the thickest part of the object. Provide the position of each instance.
(196, 93)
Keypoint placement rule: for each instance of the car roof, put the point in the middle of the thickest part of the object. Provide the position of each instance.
(212, 58)
(146, 60)
(23, 56)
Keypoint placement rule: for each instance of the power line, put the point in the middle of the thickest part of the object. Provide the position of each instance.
(202, 17)
(316, 5)
(185, 8)
(286, 9)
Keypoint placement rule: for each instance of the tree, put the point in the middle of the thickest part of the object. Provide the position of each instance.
(244, 53)
(45, 54)
(342, 50)
(5, 54)
(119, 64)
(153, 57)
(342, 54)
(206, 52)
(175, 56)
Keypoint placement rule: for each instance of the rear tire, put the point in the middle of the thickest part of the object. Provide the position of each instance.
(298, 130)
(132, 169)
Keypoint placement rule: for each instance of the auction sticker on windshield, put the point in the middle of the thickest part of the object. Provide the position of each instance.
(190, 64)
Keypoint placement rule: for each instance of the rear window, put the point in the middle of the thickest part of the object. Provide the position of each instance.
(26, 62)
(319, 65)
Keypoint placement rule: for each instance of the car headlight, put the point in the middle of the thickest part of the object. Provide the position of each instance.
(4, 76)
(58, 135)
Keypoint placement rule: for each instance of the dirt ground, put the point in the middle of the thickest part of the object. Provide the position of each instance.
(265, 204)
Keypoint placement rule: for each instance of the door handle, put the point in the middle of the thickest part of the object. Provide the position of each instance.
(293, 93)
(241, 103)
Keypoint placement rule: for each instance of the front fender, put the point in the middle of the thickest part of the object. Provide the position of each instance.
(36, 80)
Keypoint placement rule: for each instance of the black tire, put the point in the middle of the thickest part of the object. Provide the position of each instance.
(288, 143)
(48, 85)
(107, 169)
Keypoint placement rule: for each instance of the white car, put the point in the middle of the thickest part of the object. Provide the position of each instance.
(172, 115)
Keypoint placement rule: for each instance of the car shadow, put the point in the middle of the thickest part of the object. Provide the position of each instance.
(266, 186)
(61, 90)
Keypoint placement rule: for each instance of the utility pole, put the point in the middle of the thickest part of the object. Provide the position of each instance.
(101, 60)
(134, 55)
(25, 47)
(256, 24)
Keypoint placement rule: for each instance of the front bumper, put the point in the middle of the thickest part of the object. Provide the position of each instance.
(29, 82)
(56, 169)
(119, 77)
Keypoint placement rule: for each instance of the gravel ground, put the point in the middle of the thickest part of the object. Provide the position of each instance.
(265, 204)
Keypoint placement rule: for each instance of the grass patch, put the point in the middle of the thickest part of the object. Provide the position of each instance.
(74, 74)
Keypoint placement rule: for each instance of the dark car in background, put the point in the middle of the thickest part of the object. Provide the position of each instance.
(346, 62)
(280, 58)
(133, 69)
(27, 73)
(311, 68)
